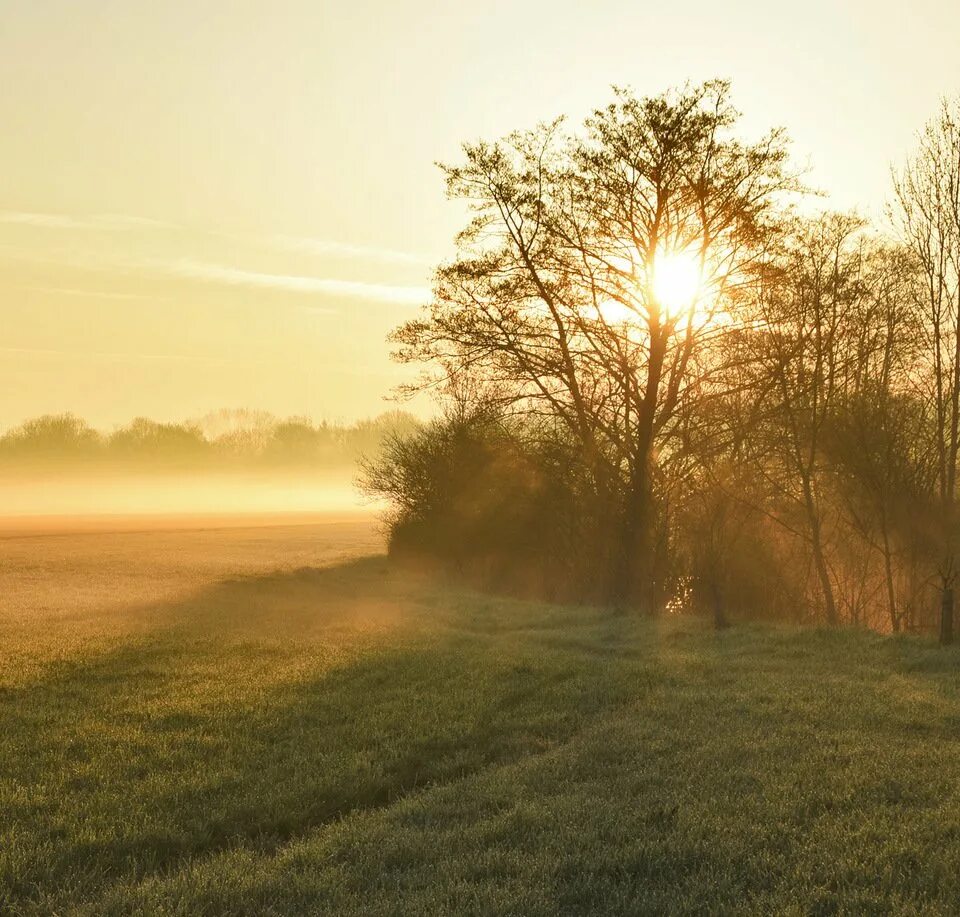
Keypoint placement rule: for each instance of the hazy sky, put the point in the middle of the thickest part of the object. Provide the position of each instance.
(210, 203)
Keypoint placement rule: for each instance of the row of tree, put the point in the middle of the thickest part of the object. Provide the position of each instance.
(229, 438)
(664, 386)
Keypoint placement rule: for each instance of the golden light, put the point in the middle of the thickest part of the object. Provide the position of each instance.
(677, 280)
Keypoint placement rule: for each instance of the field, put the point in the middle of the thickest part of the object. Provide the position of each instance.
(264, 717)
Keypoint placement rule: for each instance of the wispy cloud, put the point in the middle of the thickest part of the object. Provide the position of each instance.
(345, 250)
(99, 221)
(116, 222)
(298, 283)
(124, 356)
(206, 272)
(90, 294)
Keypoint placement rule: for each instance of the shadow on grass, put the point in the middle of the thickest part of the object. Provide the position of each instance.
(264, 708)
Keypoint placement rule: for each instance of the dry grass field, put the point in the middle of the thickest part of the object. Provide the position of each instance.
(261, 716)
(71, 584)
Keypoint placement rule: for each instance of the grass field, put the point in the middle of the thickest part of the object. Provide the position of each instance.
(256, 719)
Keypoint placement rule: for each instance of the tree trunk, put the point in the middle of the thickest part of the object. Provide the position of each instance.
(632, 555)
(946, 616)
(891, 592)
(631, 551)
(819, 560)
(826, 587)
(719, 612)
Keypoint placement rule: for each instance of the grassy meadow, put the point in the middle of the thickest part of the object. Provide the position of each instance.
(266, 718)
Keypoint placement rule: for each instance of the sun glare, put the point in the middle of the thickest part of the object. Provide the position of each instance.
(677, 280)
(677, 285)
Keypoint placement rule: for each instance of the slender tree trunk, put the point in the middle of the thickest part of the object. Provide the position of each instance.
(826, 587)
(947, 571)
(891, 592)
(819, 559)
(946, 615)
(719, 611)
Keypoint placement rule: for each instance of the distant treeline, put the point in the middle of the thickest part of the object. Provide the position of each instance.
(223, 439)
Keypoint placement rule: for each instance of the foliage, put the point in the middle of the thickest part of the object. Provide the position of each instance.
(782, 440)
(476, 494)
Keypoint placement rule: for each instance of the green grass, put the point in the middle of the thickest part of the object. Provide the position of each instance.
(360, 741)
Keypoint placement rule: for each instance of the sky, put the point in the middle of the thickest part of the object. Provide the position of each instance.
(229, 203)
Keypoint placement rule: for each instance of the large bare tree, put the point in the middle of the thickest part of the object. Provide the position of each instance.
(588, 284)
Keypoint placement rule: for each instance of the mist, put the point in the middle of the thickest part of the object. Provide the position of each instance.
(211, 492)
(225, 463)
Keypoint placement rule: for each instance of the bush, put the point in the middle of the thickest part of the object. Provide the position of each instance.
(477, 497)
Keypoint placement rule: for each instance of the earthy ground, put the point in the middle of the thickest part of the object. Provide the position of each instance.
(258, 715)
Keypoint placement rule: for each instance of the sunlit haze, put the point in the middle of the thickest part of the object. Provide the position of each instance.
(231, 203)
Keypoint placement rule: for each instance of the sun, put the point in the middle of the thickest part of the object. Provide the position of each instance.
(674, 285)
(677, 281)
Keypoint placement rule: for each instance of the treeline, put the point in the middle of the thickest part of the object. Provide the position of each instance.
(240, 439)
(666, 389)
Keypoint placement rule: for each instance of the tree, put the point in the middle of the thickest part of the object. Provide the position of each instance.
(586, 283)
(52, 437)
(927, 211)
(803, 360)
(877, 441)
